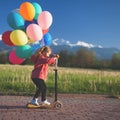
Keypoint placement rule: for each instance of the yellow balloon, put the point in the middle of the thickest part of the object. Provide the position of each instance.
(27, 11)
(18, 37)
(30, 41)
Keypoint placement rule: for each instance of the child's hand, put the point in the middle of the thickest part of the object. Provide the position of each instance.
(56, 55)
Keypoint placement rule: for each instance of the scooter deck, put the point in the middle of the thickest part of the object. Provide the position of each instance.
(56, 105)
(41, 106)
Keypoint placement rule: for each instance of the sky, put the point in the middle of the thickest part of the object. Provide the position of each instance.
(92, 21)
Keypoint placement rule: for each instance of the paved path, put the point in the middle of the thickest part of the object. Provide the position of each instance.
(75, 107)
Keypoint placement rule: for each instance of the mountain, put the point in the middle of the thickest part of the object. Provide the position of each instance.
(100, 51)
(57, 42)
(5, 48)
(61, 44)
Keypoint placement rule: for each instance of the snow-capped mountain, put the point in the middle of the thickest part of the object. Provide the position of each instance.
(61, 44)
(100, 51)
(57, 42)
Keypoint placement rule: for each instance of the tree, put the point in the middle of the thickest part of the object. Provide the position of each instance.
(63, 60)
(115, 61)
(85, 58)
(3, 58)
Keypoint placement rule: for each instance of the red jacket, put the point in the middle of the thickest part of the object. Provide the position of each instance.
(41, 66)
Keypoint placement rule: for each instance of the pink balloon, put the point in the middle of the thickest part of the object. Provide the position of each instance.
(34, 32)
(45, 20)
(14, 59)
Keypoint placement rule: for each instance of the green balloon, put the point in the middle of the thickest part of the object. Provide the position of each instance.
(38, 9)
(24, 51)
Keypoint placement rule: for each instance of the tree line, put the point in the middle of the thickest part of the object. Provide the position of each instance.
(81, 59)
(87, 59)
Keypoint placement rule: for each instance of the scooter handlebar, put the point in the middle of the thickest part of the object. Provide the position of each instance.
(56, 64)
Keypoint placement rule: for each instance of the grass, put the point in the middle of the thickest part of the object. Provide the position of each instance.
(16, 79)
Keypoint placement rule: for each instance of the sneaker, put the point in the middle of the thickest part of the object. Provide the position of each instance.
(46, 102)
(35, 102)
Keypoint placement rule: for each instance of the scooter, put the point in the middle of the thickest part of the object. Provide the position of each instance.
(56, 104)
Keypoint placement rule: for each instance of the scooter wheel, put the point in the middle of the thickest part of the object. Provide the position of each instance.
(58, 105)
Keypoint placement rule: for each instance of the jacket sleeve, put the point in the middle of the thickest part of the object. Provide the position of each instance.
(51, 60)
(48, 61)
(34, 58)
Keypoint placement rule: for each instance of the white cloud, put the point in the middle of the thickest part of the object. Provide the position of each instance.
(55, 42)
(78, 43)
(84, 44)
(99, 46)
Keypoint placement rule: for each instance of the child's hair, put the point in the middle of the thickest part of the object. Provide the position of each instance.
(42, 50)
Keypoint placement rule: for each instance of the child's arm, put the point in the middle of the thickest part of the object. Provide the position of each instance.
(48, 60)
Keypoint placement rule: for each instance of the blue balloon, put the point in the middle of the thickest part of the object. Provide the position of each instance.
(36, 46)
(30, 22)
(15, 20)
(47, 39)
(27, 23)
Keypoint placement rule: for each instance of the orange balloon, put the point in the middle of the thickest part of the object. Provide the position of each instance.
(27, 11)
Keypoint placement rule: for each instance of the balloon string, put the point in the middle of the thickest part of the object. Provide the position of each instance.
(43, 44)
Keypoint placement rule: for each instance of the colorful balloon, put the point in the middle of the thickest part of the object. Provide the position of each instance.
(30, 22)
(45, 20)
(45, 31)
(27, 11)
(18, 37)
(14, 59)
(35, 46)
(24, 51)
(34, 32)
(30, 41)
(15, 20)
(38, 9)
(31, 26)
(47, 39)
(27, 23)
(6, 38)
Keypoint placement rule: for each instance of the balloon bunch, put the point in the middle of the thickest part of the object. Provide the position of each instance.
(30, 31)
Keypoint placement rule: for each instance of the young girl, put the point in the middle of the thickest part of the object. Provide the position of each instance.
(41, 61)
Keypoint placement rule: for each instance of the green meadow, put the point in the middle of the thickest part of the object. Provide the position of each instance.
(15, 79)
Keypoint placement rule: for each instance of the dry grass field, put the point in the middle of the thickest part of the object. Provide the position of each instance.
(16, 78)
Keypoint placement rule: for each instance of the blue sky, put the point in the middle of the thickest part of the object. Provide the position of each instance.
(92, 21)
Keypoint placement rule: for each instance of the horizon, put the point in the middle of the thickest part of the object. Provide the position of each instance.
(55, 42)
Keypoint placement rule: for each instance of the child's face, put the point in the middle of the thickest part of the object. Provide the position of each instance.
(47, 54)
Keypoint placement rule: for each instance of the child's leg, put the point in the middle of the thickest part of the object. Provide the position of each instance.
(43, 93)
(41, 87)
(37, 83)
(37, 93)
(43, 90)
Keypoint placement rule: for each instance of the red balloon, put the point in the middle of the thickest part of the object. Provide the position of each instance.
(14, 59)
(6, 38)
(45, 31)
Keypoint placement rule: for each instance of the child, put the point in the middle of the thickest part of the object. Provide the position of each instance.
(41, 61)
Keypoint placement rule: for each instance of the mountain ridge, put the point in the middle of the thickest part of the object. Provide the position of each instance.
(100, 51)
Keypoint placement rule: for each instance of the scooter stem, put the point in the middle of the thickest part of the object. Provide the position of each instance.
(56, 80)
(56, 64)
